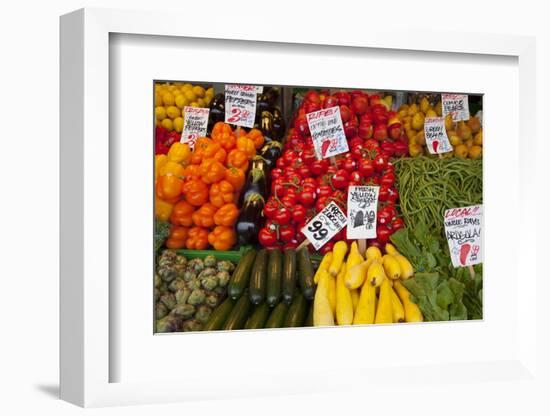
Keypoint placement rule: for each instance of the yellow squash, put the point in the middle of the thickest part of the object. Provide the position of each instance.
(375, 273)
(384, 311)
(412, 311)
(338, 252)
(357, 274)
(373, 253)
(397, 308)
(354, 298)
(354, 258)
(332, 292)
(366, 308)
(391, 266)
(322, 312)
(323, 266)
(344, 302)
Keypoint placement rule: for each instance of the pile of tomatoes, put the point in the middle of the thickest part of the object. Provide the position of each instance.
(302, 185)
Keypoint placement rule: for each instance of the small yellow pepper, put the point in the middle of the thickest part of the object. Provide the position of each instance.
(180, 153)
(172, 168)
(163, 209)
(160, 160)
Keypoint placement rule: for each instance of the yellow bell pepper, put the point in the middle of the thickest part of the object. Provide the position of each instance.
(163, 209)
(171, 168)
(180, 153)
(160, 160)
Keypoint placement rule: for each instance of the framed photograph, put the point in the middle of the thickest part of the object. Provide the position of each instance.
(234, 213)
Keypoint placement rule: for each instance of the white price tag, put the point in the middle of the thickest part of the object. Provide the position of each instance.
(436, 135)
(456, 105)
(324, 225)
(362, 211)
(327, 132)
(240, 105)
(259, 89)
(195, 124)
(463, 228)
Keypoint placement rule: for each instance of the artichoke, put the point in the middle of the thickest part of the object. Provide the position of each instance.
(209, 271)
(158, 281)
(183, 311)
(167, 257)
(196, 297)
(169, 323)
(225, 266)
(177, 284)
(223, 278)
(160, 310)
(189, 275)
(192, 325)
(194, 284)
(181, 260)
(156, 294)
(196, 265)
(209, 283)
(182, 295)
(212, 300)
(210, 261)
(203, 313)
(168, 299)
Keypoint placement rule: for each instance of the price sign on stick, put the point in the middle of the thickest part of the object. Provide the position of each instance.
(327, 132)
(324, 225)
(240, 105)
(456, 105)
(195, 123)
(362, 210)
(463, 231)
(436, 135)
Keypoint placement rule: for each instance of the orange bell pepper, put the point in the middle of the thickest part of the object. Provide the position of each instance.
(169, 188)
(177, 237)
(182, 214)
(197, 238)
(235, 177)
(221, 193)
(172, 168)
(191, 172)
(226, 215)
(179, 152)
(195, 192)
(223, 134)
(212, 171)
(222, 238)
(198, 151)
(204, 216)
(237, 159)
(257, 137)
(247, 146)
(163, 209)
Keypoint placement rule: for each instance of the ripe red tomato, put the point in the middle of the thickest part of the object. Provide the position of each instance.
(307, 196)
(383, 234)
(387, 179)
(270, 208)
(366, 168)
(397, 224)
(340, 179)
(282, 216)
(277, 173)
(267, 237)
(298, 214)
(319, 167)
(381, 162)
(286, 233)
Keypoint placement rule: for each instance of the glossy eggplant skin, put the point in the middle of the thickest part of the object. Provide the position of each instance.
(266, 125)
(270, 152)
(256, 180)
(217, 111)
(250, 219)
(279, 125)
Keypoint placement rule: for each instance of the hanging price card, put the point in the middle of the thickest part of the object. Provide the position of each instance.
(240, 105)
(463, 228)
(195, 123)
(327, 132)
(456, 105)
(362, 210)
(324, 225)
(436, 135)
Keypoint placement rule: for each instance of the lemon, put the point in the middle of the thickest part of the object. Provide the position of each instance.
(167, 124)
(181, 101)
(199, 91)
(190, 95)
(173, 112)
(158, 99)
(178, 124)
(186, 87)
(201, 102)
(168, 98)
(194, 104)
(160, 113)
(207, 100)
(210, 92)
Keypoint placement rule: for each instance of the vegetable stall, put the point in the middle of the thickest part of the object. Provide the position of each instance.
(282, 207)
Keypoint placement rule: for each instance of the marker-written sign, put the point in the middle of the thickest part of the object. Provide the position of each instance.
(456, 105)
(463, 228)
(195, 123)
(324, 225)
(436, 135)
(362, 211)
(327, 132)
(240, 104)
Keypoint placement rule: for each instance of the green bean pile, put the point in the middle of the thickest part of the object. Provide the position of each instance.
(428, 186)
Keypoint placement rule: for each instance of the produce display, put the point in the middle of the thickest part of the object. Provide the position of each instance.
(236, 208)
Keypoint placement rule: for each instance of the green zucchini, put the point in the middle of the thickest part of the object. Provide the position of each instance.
(309, 318)
(297, 311)
(241, 275)
(274, 267)
(259, 316)
(289, 275)
(237, 317)
(277, 317)
(258, 277)
(305, 271)
(219, 316)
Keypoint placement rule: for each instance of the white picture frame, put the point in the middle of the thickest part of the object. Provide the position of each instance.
(85, 344)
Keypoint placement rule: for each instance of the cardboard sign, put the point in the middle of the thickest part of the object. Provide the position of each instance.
(463, 228)
(195, 123)
(362, 211)
(327, 132)
(456, 105)
(436, 135)
(240, 105)
(324, 225)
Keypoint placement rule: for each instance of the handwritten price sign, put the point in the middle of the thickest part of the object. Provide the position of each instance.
(463, 228)
(436, 135)
(195, 123)
(240, 105)
(456, 105)
(327, 132)
(324, 225)
(362, 210)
